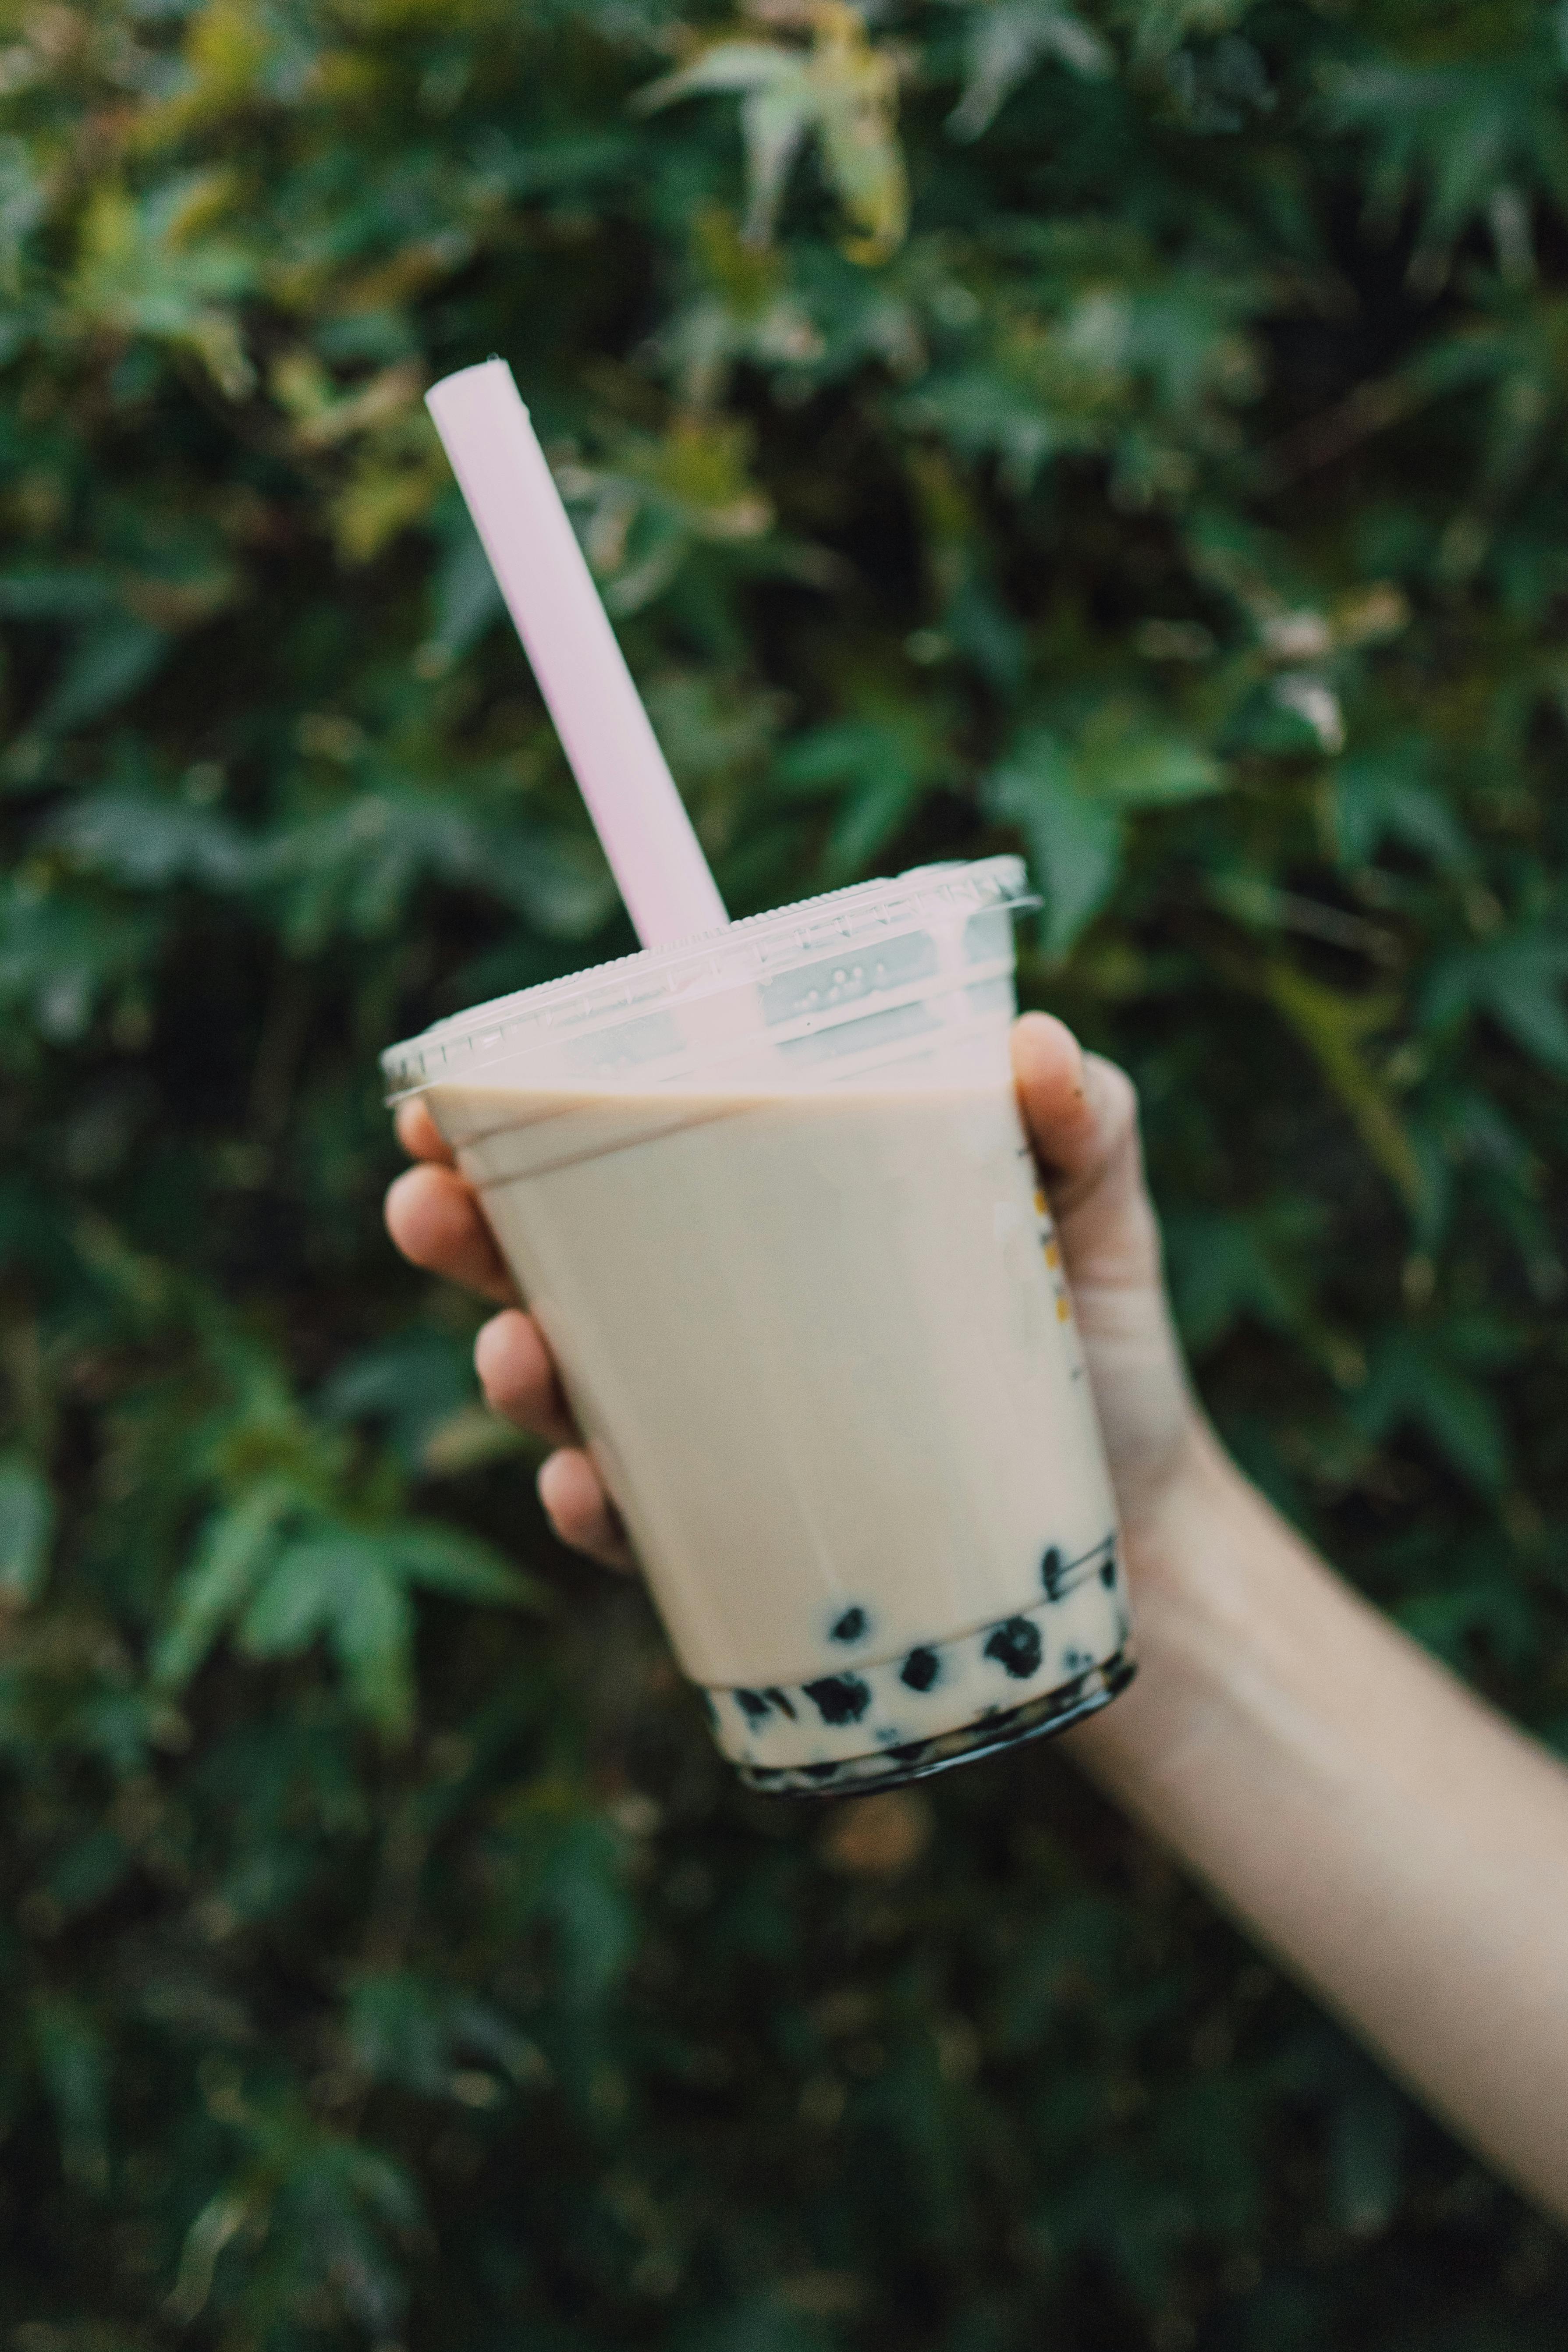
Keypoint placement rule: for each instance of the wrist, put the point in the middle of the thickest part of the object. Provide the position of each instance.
(1196, 1554)
(1168, 1526)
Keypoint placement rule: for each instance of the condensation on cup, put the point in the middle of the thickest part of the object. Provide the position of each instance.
(769, 1197)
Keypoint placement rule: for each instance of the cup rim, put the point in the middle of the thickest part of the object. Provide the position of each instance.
(754, 948)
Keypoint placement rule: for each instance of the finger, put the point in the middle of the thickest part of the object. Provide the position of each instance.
(435, 1221)
(418, 1133)
(578, 1509)
(1081, 1113)
(518, 1378)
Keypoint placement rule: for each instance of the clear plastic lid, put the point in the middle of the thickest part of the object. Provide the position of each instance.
(789, 977)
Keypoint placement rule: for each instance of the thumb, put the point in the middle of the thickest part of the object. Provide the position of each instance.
(1082, 1116)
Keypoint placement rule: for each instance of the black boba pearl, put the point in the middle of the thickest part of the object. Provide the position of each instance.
(753, 1704)
(1052, 1568)
(852, 1626)
(1016, 1646)
(839, 1698)
(780, 1699)
(1108, 1573)
(822, 1772)
(920, 1669)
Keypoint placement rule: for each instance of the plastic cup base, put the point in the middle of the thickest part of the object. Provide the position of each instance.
(891, 1767)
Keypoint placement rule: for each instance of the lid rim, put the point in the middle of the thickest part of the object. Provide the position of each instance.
(687, 971)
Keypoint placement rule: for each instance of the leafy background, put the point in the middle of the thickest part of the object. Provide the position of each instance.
(1136, 434)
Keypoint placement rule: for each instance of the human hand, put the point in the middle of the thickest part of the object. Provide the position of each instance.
(1081, 1112)
(1081, 1117)
(434, 1219)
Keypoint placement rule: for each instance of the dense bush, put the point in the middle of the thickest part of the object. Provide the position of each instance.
(1136, 434)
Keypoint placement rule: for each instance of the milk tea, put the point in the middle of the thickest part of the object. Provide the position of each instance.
(821, 1351)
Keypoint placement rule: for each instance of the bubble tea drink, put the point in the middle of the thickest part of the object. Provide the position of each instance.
(768, 1194)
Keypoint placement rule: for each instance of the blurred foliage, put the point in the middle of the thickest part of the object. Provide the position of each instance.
(1136, 434)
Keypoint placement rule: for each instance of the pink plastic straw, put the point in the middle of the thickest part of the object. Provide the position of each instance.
(637, 813)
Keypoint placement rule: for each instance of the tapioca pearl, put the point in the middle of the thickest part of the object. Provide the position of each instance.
(1052, 1570)
(1016, 1647)
(920, 1669)
(781, 1700)
(852, 1625)
(839, 1698)
(1108, 1573)
(753, 1705)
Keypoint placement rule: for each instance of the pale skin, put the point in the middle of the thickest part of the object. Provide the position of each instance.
(1399, 1847)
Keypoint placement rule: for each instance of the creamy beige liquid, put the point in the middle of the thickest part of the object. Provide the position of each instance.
(821, 1348)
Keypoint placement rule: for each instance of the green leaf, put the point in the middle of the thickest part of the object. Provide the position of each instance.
(1518, 981)
(1226, 1266)
(407, 2028)
(465, 596)
(843, 89)
(1122, 759)
(883, 765)
(1335, 1027)
(762, 2321)
(351, 1590)
(559, 880)
(1411, 1384)
(445, 1559)
(236, 1547)
(220, 2221)
(55, 593)
(1163, 25)
(69, 2052)
(415, 1383)
(59, 954)
(1451, 131)
(1067, 797)
(153, 266)
(24, 204)
(109, 663)
(400, 2032)
(1381, 797)
(1075, 844)
(1007, 40)
(26, 1530)
(148, 842)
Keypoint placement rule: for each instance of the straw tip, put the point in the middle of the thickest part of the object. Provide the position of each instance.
(494, 369)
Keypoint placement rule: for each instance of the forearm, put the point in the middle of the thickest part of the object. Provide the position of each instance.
(1400, 1847)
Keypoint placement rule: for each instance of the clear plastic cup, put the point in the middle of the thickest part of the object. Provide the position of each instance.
(769, 1197)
